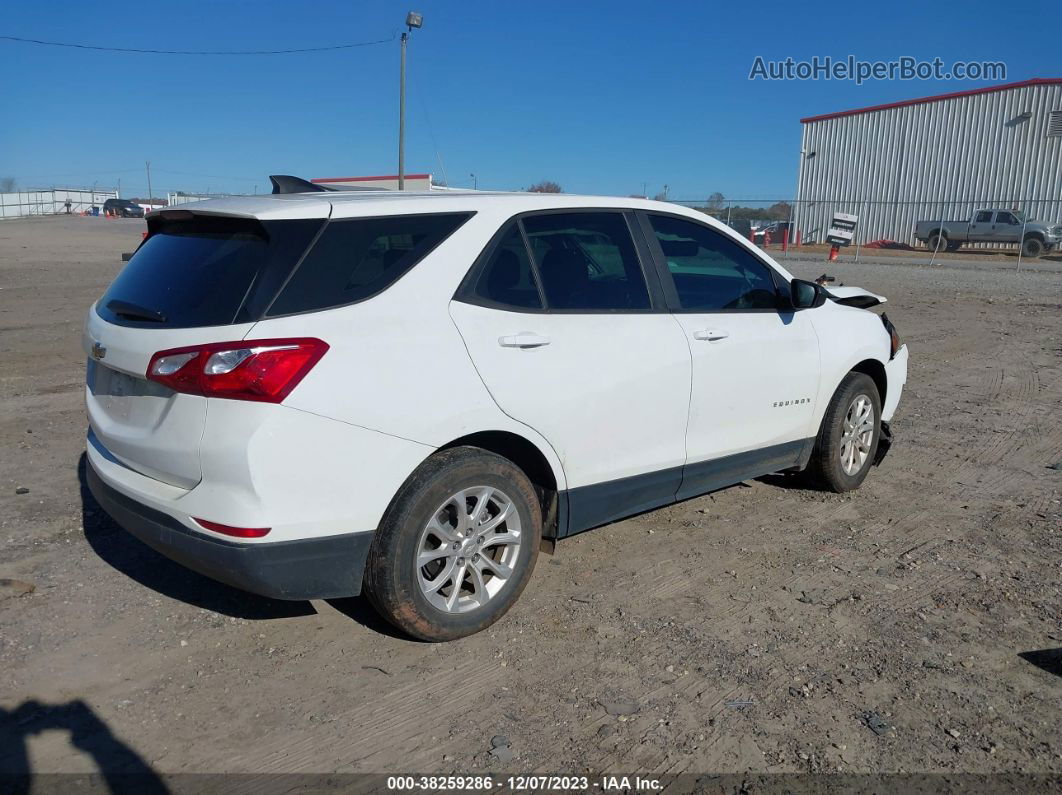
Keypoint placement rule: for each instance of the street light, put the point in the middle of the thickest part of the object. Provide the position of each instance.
(413, 20)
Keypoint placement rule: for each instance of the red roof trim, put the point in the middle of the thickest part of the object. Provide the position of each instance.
(368, 179)
(1036, 81)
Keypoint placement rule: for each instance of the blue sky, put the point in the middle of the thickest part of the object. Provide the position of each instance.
(598, 96)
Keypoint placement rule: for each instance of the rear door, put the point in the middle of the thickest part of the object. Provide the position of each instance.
(194, 280)
(755, 367)
(571, 339)
(981, 226)
(1007, 228)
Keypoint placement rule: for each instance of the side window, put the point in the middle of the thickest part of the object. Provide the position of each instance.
(587, 261)
(983, 217)
(1005, 218)
(508, 277)
(355, 259)
(710, 271)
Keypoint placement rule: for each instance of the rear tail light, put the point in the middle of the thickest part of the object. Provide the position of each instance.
(235, 532)
(261, 370)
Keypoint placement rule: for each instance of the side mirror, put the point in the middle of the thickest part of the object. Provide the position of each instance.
(806, 295)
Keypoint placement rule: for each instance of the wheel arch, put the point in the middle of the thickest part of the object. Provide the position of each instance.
(529, 457)
(876, 371)
(865, 361)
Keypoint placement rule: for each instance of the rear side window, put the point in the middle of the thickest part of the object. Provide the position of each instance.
(355, 259)
(508, 278)
(206, 271)
(710, 271)
(587, 261)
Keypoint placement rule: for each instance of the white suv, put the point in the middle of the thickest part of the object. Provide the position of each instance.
(310, 395)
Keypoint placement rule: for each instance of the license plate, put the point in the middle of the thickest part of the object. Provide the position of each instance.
(121, 385)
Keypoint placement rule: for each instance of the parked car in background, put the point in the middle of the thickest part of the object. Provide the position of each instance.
(318, 394)
(743, 226)
(776, 230)
(123, 208)
(991, 226)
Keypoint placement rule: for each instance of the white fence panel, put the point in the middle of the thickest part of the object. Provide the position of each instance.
(179, 197)
(19, 204)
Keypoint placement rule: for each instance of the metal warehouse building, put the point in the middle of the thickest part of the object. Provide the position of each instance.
(941, 156)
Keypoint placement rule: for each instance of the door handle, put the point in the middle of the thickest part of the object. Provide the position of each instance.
(711, 334)
(525, 339)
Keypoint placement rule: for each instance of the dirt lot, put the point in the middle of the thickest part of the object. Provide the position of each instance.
(762, 628)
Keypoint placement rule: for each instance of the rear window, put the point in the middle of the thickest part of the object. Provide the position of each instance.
(206, 271)
(355, 259)
(214, 271)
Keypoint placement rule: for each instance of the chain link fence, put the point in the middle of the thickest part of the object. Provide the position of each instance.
(882, 224)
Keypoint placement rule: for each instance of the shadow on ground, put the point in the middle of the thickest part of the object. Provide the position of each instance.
(122, 769)
(140, 562)
(1049, 660)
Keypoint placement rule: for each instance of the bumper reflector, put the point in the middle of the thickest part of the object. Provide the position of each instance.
(236, 532)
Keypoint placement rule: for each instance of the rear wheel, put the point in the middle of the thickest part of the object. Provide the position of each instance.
(937, 241)
(1032, 247)
(848, 439)
(456, 547)
(954, 246)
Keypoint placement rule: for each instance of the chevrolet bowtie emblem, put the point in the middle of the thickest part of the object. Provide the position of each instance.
(98, 351)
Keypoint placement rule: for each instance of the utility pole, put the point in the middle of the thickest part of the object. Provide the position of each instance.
(402, 117)
(413, 20)
(148, 164)
(119, 188)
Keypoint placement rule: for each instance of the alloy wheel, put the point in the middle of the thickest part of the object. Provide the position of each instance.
(858, 434)
(468, 549)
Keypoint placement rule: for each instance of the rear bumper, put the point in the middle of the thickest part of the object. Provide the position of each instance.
(325, 567)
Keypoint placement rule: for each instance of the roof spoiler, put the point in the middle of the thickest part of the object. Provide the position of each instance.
(283, 183)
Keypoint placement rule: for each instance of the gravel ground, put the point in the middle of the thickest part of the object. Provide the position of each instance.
(763, 628)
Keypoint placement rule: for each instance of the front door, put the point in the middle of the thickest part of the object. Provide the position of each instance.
(1007, 228)
(755, 367)
(559, 322)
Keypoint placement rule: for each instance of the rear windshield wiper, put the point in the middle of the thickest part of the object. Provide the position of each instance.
(135, 311)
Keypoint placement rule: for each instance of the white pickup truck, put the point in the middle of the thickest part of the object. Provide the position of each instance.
(991, 226)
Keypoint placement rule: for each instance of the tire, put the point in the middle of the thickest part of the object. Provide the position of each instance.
(1032, 247)
(826, 468)
(423, 519)
(937, 241)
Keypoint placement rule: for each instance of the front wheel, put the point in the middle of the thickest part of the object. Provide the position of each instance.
(848, 439)
(1033, 247)
(456, 547)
